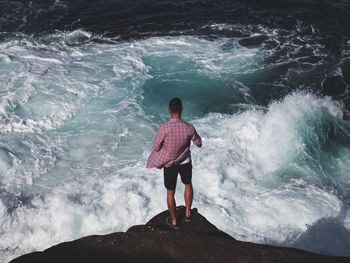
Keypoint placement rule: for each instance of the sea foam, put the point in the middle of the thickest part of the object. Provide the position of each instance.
(78, 120)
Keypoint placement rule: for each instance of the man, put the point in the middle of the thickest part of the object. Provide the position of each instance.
(171, 151)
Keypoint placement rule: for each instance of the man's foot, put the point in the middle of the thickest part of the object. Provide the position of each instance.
(189, 215)
(188, 218)
(169, 223)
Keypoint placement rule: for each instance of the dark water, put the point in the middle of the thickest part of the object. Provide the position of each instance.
(84, 85)
(326, 22)
(137, 18)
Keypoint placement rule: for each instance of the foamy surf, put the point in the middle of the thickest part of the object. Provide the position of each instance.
(78, 119)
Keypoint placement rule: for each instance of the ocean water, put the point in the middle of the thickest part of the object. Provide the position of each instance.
(81, 99)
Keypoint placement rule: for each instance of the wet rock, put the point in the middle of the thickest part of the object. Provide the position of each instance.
(345, 68)
(252, 42)
(333, 86)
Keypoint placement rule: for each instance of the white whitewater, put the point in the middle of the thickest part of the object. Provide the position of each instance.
(77, 123)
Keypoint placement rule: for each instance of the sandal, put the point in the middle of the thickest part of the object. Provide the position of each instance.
(188, 218)
(169, 223)
(192, 213)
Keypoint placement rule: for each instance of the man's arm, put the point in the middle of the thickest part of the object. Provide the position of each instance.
(158, 140)
(197, 140)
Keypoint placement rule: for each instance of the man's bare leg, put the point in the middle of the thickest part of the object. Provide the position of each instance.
(171, 205)
(188, 198)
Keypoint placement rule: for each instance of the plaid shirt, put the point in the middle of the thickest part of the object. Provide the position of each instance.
(172, 143)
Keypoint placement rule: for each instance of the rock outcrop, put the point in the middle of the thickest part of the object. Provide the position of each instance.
(196, 241)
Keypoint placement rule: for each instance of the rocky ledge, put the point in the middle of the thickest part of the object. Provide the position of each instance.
(195, 241)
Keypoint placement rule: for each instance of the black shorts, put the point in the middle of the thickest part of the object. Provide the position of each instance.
(170, 175)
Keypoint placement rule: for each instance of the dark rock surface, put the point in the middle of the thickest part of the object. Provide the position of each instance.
(333, 86)
(346, 71)
(196, 241)
(253, 42)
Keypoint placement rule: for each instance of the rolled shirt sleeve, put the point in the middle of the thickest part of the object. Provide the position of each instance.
(197, 140)
(158, 140)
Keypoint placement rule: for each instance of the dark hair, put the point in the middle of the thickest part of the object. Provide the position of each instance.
(175, 105)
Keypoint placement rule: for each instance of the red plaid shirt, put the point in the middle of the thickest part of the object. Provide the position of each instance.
(172, 143)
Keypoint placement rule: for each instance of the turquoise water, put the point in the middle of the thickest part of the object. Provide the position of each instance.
(78, 120)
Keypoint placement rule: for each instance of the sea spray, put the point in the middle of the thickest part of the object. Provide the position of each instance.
(78, 118)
